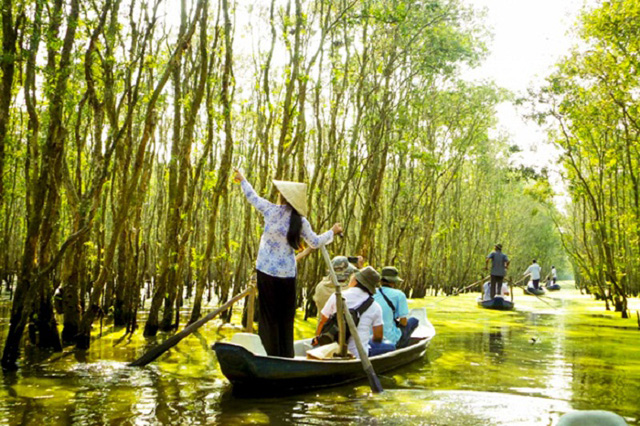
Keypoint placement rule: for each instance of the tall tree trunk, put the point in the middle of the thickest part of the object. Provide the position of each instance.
(43, 195)
(225, 163)
(7, 66)
(133, 186)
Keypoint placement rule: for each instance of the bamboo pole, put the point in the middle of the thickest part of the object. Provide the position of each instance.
(511, 290)
(374, 383)
(251, 306)
(461, 290)
(544, 301)
(158, 350)
(533, 294)
(304, 253)
(469, 286)
(342, 341)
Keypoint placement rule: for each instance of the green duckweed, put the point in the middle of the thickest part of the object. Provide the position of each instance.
(527, 366)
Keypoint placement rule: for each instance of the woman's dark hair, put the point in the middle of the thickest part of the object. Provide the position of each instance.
(363, 288)
(295, 228)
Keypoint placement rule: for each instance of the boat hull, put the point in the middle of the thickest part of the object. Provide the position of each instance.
(532, 291)
(258, 374)
(553, 287)
(497, 303)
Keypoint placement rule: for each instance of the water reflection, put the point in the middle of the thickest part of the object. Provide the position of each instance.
(394, 406)
(496, 342)
(522, 367)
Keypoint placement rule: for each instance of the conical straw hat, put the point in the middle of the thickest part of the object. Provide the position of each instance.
(295, 193)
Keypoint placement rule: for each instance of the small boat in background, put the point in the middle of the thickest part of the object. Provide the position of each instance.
(253, 373)
(497, 303)
(552, 287)
(533, 291)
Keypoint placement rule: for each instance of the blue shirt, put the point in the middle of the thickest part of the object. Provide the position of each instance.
(275, 256)
(398, 299)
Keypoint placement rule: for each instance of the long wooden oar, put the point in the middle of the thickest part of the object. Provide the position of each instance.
(459, 291)
(524, 286)
(539, 298)
(455, 293)
(519, 281)
(156, 351)
(342, 326)
(374, 383)
(304, 253)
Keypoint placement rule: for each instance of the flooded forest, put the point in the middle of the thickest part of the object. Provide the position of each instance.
(121, 124)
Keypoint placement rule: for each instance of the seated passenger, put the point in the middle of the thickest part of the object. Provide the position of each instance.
(325, 288)
(487, 290)
(397, 327)
(361, 287)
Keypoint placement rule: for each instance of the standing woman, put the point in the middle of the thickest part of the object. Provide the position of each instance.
(284, 224)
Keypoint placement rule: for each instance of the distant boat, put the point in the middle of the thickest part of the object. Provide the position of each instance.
(533, 291)
(252, 372)
(497, 303)
(553, 287)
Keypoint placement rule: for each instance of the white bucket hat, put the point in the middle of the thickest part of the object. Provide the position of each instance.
(295, 193)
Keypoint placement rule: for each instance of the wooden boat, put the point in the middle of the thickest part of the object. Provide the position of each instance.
(497, 303)
(533, 291)
(553, 287)
(253, 372)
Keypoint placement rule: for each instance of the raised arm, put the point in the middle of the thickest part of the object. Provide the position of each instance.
(258, 202)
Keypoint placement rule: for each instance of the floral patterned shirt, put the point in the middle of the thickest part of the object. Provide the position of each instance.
(275, 256)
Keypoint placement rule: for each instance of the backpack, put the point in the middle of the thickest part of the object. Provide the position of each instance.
(330, 331)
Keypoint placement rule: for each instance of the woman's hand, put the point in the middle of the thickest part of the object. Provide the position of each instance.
(337, 228)
(237, 176)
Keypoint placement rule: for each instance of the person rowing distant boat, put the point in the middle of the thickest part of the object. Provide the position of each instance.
(499, 265)
(534, 271)
(284, 225)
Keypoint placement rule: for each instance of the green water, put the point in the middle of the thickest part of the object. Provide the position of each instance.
(484, 367)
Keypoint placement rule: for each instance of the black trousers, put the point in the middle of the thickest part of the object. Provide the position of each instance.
(277, 301)
(496, 285)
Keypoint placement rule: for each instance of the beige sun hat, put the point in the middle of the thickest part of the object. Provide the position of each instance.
(295, 193)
